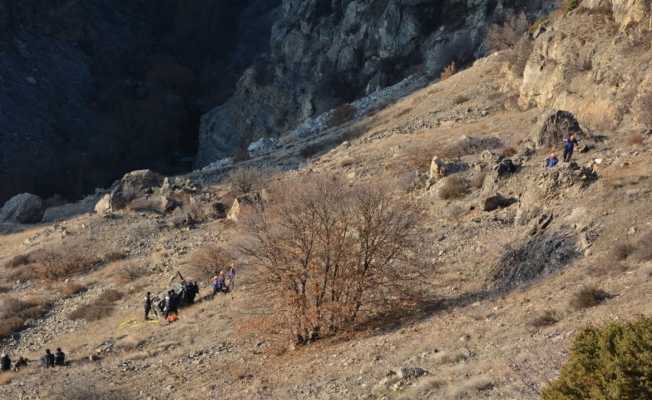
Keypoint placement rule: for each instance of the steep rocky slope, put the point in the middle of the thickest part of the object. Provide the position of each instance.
(325, 53)
(92, 89)
(498, 311)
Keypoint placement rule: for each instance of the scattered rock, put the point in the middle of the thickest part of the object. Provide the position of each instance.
(103, 206)
(505, 167)
(410, 373)
(133, 185)
(553, 127)
(24, 208)
(497, 201)
(243, 204)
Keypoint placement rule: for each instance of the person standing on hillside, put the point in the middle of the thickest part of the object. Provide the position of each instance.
(148, 305)
(230, 278)
(5, 362)
(569, 146)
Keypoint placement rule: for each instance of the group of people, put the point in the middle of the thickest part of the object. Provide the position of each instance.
(569, 147)
(224, 283)
(188, 291)
(49, 360)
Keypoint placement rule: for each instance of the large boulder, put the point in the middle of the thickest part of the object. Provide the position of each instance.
(133, 185)
(553, 127)
(243, 205)
(24, 208)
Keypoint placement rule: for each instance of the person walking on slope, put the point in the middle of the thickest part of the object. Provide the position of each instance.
(569, 146)
(552, 160)
(147, 305)
(230, 278)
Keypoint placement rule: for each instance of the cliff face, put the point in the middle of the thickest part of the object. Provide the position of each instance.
(326, 52)
(91, 89)
(596, 63)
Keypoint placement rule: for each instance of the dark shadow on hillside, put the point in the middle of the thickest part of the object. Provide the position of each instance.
(529, 261)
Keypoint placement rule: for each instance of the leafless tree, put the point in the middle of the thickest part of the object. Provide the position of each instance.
(326, 250)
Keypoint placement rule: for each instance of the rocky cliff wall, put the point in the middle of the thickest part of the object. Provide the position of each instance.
(327, 52)
(90, 89)
(596, 62)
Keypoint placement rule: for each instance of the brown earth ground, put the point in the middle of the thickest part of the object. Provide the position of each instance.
(475, 343)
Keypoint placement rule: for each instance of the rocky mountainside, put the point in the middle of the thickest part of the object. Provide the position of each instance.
(518, 257)
(325, 53)
(92, 89)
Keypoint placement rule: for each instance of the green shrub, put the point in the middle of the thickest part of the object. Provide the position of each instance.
(609, 363)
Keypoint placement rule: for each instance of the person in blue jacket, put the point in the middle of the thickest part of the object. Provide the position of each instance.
(569, 146)
(552, 160)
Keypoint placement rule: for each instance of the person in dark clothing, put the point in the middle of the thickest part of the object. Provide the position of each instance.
(5, 362)
(569, 147)
(148, 305)
(47, 361)
(59, 358)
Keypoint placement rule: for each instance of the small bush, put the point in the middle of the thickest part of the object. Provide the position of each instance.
(588, 297)
(72, 289)
(508, 152)
(622, 251)
(548, 318)
(14, 313)
(17, 261)
(610, 363)
(450, 70)
(246, 180)
(129, 273)
(455, 187)
(55, 265)
(644, 250)
(311, 149)
(208, 261)
(644, 109)
(506, 36)
(341, 115)
(635, 140)
(114, 256)
(102, 307)
(86, 388)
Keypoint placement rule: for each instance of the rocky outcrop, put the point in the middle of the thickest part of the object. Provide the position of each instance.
(553, 127)
(24, 208)
(325, 53)
(594, 62)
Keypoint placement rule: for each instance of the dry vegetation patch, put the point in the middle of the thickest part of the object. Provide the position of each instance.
(51, 265)
(454, 187)
(588, 297)
(327, 253)
(100, 308)
(15, 313)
